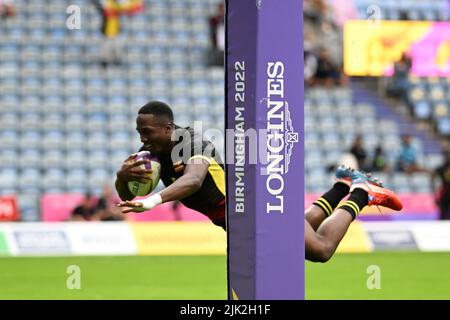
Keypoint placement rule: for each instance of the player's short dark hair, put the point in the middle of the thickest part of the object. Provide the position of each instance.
(157, 108)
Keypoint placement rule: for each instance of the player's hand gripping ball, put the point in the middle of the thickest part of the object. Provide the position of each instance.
(142, 189)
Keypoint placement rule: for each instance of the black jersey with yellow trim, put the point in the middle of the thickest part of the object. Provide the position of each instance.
(192, 147)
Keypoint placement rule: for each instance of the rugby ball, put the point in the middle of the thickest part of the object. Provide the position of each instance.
(142, 189)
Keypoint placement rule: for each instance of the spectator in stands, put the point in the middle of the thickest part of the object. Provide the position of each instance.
(217, 34)
(309, 67)
(442, 190)
(315, 11)
(310, 59)
(358, 151)
(407, 159)
(176, 210)
(403, 16)
(106, 208)
(379, 161)
(86, 210)
(328, 73)
(399, 84)
(7, 8)
(321, 20)
(111, 10)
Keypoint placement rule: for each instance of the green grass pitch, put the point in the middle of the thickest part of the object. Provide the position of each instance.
(118, 277)
(404, 275)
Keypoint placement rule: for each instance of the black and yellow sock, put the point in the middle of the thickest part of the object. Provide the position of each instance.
(357, 201)
(331, 199)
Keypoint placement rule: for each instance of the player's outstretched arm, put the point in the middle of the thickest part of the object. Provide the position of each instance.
(130, 171)
(191, 181)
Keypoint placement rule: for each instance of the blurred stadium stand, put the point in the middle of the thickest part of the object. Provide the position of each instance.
(333, 117)
(428, 99)
(66, 124)
(435, 10)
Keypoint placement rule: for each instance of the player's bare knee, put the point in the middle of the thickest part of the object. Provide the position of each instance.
(325, 252)
(323, 256)
(320, 253)
(309, 210)
(318, 257)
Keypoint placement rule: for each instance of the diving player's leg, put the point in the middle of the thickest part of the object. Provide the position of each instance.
(321, 245)
(332, 230)
(325, 205)
(322, 208)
